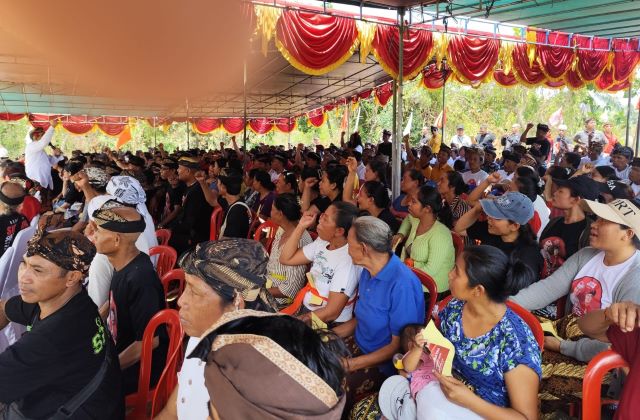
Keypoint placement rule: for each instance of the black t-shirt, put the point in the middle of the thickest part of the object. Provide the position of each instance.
(237, 219)
(57, 358)
(173, 197)
(195, 218)
(568, 236)
(385, 149)
(527, 253)
(542, 145)
(387, 217)
(135, 296)
(322, 202)
(10, 225)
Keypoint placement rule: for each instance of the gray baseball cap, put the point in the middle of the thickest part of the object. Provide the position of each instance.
(395, 399)
(513, 206)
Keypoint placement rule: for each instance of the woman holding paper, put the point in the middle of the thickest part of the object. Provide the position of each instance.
(333, 278)
(495, 351)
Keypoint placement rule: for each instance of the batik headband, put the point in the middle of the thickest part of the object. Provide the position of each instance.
(69, 250)
(108, 219)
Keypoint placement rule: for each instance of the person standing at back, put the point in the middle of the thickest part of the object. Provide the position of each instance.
(36, 161)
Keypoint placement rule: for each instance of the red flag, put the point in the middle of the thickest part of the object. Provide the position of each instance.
(124, 137)
(345, 119)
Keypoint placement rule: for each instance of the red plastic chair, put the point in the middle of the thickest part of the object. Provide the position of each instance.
(167, 258)
(428, 282)
(255, 222)
(270, 228)
(217, 217)
(458, 243)
(163, 236)
(592, 382)
(171, 294)
(167, 383)
(138, 401)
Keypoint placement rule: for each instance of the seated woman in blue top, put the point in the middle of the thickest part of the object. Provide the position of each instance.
(496, 353)
(390, 297)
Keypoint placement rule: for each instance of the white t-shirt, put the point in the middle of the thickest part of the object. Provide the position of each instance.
(623, 174)
(332, 271)
(460, 141)
(193, 398)
(474, 179)
(593, 286)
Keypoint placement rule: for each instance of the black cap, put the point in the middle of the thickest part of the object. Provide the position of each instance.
(169, 164)
(583, 186)
(618, 189)
(137, 161)
(314, 156)
(512, 156)
(543, 127)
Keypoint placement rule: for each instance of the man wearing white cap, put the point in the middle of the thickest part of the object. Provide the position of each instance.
(562, 144)
(460, 139)
(512, 138)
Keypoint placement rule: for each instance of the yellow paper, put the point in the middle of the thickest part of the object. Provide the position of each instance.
(268, 284)
(441, 349)
(314, 300)
(317, 323)
(548, 326)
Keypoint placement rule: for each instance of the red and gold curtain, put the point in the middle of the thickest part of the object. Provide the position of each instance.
(316, 117)
(384, 93)
(625, 58)
(205, 125)
(433, 78)
(418, 45)
(233, 125)
(261, 125)
(472, 58)
(315, 43)
(6, 116)
(77, 125)
(506, 80)
(530, 75)
(112, 126)
(285, 125)
(555, 58)
(591, 63)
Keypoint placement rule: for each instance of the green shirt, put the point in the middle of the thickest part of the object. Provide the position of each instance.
(431, 252)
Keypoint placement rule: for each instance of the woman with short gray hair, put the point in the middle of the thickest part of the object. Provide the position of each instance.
(390, 297)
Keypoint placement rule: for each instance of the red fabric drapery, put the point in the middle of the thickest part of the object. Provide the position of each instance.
(365, 94)
(574, 79)
(77, 125)
(506, 80)
(591, 63)
(432, 77)
(315, 43)
(625, 58)
(6, 116)
(112, 126)
(40, 120)
(554, 60)
(384, 93)
(316, 118)
(527, 75)
(233, 125)
(416, 52)
(261, 125)
(473, 58)
(205, 125)
(285, 125)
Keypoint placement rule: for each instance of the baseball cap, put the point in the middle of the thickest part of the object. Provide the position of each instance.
(512, 156)
(460, 127)
(582, 185)
(513, 206)
(562, 127)
(395, 399)
(621, 211)
(543, 127)
(189, 162)
(618, 189)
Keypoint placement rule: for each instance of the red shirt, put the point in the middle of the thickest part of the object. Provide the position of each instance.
(30, 207)
(628, 346)
(611, 142)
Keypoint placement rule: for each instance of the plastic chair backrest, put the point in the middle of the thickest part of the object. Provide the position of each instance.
(255, 222)
(438, 307)
(458, 242)
(139, 400)
(169, 278)
(163, 236)
(271, 228)
(167, 382)
(428, 282)
(530, 320)
(592, 382)
(217, 217)
(167, 258)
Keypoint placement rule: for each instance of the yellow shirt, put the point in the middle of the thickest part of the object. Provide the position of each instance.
(434, 143)
(437, 171)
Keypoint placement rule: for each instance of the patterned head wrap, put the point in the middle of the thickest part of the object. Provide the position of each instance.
(108, 218)
(98, 177)
(126, 190)
(231, 265)
(67, 249)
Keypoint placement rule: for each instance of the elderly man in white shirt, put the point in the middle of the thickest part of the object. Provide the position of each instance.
(37, 162)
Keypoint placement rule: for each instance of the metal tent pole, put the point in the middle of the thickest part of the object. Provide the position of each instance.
(244, 97)
(396, 155)
(155, 133)
(637, 136)
(444, 92)
(626, 136)
(187, 122)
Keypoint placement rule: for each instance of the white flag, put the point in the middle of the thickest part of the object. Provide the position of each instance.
(407, 129)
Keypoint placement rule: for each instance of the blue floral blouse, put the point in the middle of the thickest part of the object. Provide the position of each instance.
(481, 362)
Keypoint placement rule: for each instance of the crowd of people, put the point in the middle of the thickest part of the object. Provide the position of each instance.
(310, 323)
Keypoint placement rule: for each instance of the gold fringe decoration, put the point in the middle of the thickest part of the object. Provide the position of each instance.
(267, 19)
(366, 33)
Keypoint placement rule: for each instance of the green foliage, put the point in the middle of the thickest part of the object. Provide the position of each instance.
(497, 106)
